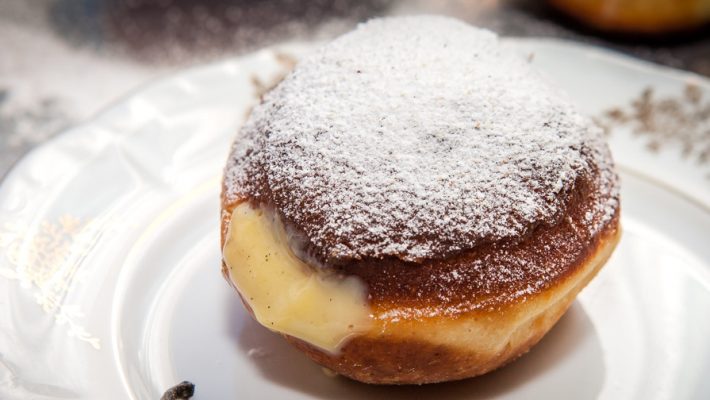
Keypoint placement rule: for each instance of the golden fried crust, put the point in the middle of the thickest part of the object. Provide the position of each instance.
(475, 343)
(486, 277)
(637, 16)
(436, 339)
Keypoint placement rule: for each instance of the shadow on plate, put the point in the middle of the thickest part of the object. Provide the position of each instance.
(567, 363)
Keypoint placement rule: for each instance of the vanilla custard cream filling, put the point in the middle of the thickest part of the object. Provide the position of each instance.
(287, 295)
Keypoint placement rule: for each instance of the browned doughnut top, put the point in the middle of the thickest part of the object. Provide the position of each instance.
(420, 155)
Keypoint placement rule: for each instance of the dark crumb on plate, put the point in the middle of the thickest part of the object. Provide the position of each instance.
(182, 391)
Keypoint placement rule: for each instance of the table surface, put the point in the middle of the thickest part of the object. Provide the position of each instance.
(61, 61)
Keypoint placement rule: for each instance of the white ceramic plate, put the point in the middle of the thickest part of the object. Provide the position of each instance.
(109, 257)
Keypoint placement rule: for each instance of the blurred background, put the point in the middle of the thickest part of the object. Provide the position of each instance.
(62, 61)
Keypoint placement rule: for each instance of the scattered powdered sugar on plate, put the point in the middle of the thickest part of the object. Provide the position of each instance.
(416, 137)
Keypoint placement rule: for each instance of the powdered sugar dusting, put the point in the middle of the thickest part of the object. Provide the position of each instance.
(416, 137)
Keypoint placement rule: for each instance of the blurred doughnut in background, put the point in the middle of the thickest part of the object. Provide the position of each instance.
(638, 16)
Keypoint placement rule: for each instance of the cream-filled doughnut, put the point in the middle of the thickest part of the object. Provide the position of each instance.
(414, 204)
